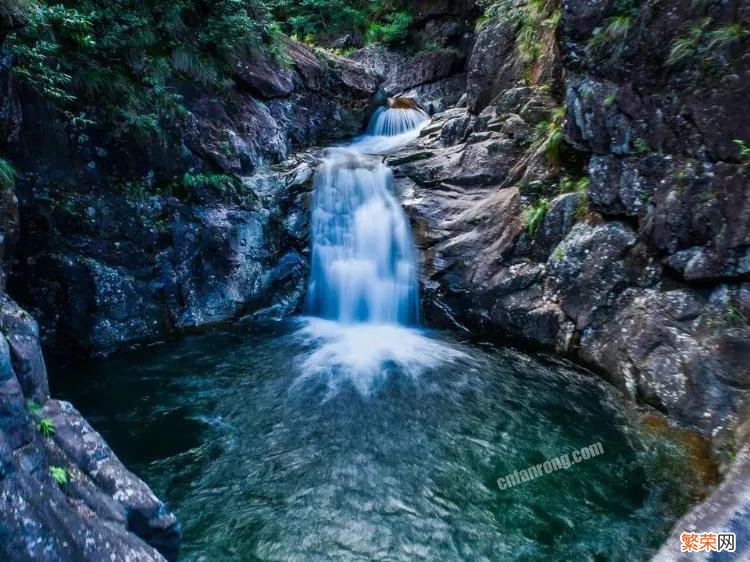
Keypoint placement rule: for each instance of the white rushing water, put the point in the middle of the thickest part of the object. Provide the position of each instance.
(364, 265)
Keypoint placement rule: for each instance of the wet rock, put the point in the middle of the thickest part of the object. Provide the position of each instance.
(725, 509)
(101, 511)
(492, 69)
(587, 270)
(435, 77)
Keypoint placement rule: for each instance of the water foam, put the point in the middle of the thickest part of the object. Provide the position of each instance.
(364, 273)
(364, 355)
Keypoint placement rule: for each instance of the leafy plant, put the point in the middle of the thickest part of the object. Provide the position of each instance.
(744, 148)
(641, 146)
(220, 182)
(570, 185)
(685, 48)
(734, 316)
(33, 407)
(533, 216)
(726, 35)
(123, 58)
(701, 42)
(550, 134)
(319, 21)
(614, 32)
(46, 427)
(392, 30)
(59, 474)
(7, 174)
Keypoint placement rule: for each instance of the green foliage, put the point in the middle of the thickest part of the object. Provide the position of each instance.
(33, 407)
(393, 30)
(726, 35)
(743, 147)
(127, 56)
(702, 42)
(533, 17)
(559, 253)
(641, 146)
(59, 474)
(220, 182)
(733, 316)
(613, 33)
(533, 216)
(685, 48)
(550, 135)
(46, 427)
(568, 184)
(7, 174)
(317, 21)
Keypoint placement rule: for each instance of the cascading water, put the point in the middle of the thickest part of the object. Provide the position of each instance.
(364, 266)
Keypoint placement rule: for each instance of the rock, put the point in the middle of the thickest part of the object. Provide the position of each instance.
(588, 269)
(102, 512)
(725, 508)
(264, 77)
(434, 77)
(492, 69)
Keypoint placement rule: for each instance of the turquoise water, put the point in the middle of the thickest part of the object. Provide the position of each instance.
(305, 441)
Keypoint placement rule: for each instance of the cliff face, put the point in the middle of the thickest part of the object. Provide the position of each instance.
(125, 243)
(591, 199)
(64, 493)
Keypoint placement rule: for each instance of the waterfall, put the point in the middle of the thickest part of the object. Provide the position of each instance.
(364, 265)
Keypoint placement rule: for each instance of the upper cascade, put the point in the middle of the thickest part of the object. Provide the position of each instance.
(364, 264)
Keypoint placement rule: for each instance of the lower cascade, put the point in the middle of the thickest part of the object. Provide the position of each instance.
(364, 265)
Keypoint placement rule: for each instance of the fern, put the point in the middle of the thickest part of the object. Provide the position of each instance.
(534, 216)
(59, 474)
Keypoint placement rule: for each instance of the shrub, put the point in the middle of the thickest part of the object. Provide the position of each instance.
(125, 57)
(318, 21)
(392, 31)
